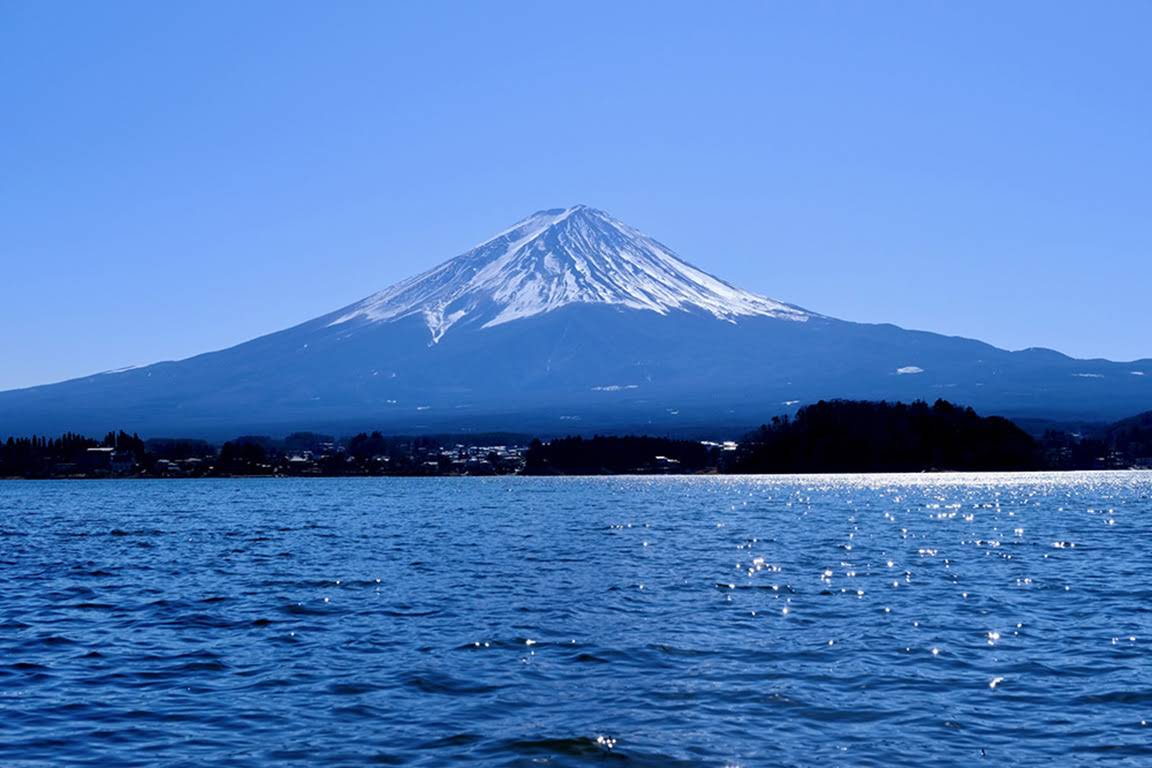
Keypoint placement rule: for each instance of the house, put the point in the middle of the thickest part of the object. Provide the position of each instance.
(110, 460)
(98, 459)
(122, 462)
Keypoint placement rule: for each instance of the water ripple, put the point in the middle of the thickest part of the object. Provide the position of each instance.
(717, 621)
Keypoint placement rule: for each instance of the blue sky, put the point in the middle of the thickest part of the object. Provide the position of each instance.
(176, 178)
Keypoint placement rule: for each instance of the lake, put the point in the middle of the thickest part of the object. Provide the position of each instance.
(670, 621)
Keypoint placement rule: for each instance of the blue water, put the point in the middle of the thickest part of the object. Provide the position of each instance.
(877, 620)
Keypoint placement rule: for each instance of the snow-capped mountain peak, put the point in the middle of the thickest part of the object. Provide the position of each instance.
(554, 258)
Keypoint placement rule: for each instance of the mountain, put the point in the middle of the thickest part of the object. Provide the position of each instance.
(568, 321)
(554, 259)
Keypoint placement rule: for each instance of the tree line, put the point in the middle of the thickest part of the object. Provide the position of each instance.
(39, 454)
(610, 455)
(853, 436)
(828, 436)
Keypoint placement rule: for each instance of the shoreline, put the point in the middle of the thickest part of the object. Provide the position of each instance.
(649, 475)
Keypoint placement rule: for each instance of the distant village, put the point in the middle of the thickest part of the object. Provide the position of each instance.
(306, 454)
(833, 436)
(301, 454)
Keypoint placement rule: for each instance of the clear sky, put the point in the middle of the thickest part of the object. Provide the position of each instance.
(180, 177)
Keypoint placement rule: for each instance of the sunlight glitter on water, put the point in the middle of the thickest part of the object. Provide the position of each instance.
(525, 619)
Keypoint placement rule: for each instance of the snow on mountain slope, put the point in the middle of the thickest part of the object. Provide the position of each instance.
(554, 258)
